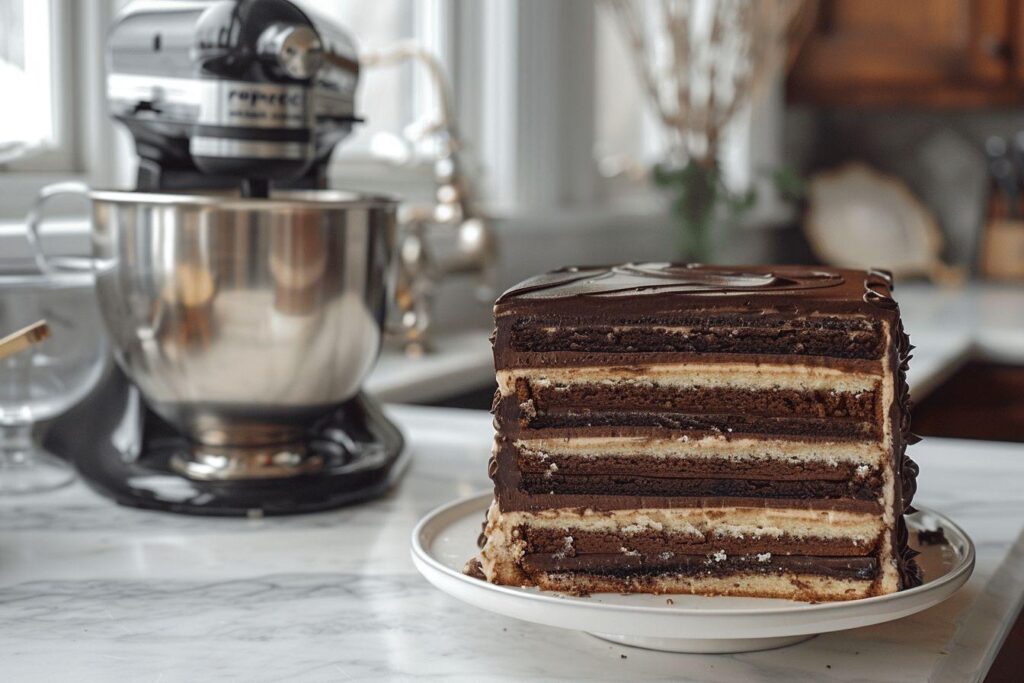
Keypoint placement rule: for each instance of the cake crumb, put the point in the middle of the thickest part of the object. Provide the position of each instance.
(623, 657)
(932, 537)
(474, 569)
(669, 601)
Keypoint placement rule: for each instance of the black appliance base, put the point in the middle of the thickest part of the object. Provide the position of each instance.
(123, 450)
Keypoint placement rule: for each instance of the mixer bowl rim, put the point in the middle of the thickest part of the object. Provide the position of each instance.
(280, 199)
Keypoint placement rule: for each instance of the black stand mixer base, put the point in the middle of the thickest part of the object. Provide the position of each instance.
(369, 457)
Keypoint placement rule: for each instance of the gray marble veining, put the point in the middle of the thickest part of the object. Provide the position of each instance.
(93, 592)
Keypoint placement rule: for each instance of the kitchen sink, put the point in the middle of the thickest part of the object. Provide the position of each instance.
(983, 399)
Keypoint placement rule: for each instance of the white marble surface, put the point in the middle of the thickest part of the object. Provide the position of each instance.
(461, 362)
(950, 325)
(93, 592)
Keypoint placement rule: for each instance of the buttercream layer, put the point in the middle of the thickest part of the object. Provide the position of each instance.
(740, 452)
(789, 586)
(749, 376)
(701, 523)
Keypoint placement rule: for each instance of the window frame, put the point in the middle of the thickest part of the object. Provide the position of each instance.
(530, 137)
(87, 147)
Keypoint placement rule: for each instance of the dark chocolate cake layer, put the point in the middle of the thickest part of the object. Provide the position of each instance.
(737, 424)
(615, 564)
(555, 483)
(699, 429)
(697, 336)
(514, 499)
(514, 360)
(574, 541)
(672, 468)
(688, 399)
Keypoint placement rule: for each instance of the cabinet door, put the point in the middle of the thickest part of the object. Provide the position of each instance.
(904, 51)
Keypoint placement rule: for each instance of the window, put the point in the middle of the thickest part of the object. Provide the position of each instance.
(628, 137)
(544, 93)
(52, 60)
(34, 134)
(383, 97)
(26, 69)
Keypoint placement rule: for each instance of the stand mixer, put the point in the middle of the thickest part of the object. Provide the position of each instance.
(245, 303)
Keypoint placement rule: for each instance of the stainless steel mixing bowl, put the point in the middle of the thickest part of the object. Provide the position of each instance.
(242, 321)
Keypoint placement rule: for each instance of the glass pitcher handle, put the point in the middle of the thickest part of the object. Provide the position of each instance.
(36, 216)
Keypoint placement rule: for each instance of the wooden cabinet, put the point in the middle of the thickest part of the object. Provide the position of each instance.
(943, 53)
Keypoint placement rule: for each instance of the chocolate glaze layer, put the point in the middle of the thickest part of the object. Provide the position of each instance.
(647, 287)
(617, 564)
(691, 279)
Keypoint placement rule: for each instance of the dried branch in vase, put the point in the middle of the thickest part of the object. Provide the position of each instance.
(700, 62)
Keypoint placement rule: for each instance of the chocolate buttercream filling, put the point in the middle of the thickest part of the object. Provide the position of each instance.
(707, 467)
(697, 337)
(625, 485)
(619, 564)
(735, 424)
(766, 402)
(511, 499)
(650, 543)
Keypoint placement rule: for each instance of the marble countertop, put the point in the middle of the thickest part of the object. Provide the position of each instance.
(94, 592)
(462, 362)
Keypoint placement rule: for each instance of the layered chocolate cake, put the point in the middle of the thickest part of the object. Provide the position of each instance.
(694, 429)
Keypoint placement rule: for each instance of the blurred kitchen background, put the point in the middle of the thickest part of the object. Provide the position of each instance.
(532, 134)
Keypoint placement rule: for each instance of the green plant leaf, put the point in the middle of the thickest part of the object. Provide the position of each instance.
(790, 184)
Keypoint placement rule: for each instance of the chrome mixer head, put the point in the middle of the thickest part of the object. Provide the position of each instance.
(229, 93)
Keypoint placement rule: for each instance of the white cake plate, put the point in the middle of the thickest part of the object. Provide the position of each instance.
(446, 538)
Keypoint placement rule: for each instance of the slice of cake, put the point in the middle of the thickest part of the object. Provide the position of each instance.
(695, 429)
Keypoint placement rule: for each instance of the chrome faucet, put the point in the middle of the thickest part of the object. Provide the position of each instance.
(422, 261)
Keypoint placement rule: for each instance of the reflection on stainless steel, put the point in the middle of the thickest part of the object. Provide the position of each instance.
(244, 321)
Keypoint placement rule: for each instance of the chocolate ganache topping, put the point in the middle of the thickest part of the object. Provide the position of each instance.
(690, 278)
